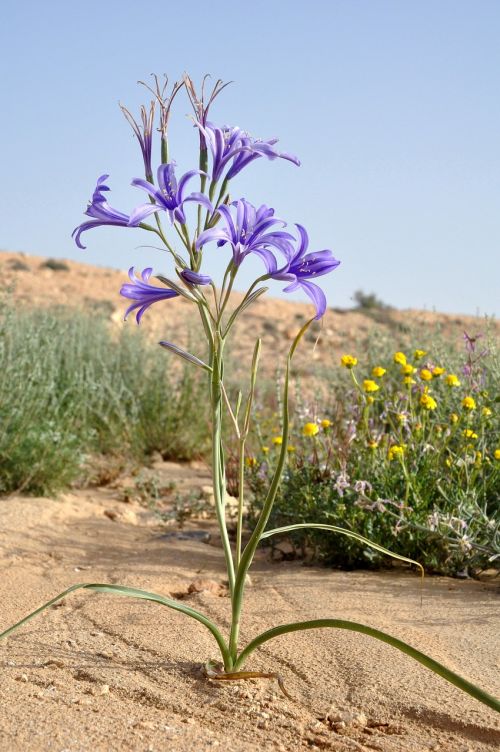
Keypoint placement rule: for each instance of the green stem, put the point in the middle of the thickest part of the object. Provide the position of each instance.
(217, 457)
(251, 547)
(425, 660)
(241, 496)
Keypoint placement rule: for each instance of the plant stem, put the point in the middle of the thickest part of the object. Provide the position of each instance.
(241, 495)
(251, 547)
(217, 455)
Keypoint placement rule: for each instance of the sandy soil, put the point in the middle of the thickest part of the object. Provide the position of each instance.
(105, 673)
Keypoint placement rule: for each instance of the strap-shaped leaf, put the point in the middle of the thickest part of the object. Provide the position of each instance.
(342, 531)
(185, 355)
(353, 626)
(132, 593)
(178, 288)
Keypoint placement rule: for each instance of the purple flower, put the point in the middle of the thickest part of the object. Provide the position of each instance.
(103, 214)
(144, 134)
(304, 266)
(143, 294)
(235, 146)
(169, 196)
(250, 232)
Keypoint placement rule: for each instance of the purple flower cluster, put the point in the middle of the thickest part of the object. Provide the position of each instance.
(250, 232)
(234, 148)
(239, 225)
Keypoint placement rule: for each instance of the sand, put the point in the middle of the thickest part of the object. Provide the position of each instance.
(106, 673)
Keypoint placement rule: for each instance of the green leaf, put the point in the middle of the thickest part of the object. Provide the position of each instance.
(178, 288)
(132, 593)
(353, 626)
(185, 355)
(342, 531)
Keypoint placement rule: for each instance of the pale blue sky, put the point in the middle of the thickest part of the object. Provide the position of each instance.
(392, 106)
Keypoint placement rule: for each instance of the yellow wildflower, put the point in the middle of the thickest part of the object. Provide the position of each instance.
(401, 418)
(438, 371)
(277, 441)
(251, 461)
(370, 386)
(348, 361)
(418, 354)
(400, 358)
(454, 418)
(428, 402)
(378, 372)
(395, 451)
(452, 380)
(469, 403)
(408, 369)
(326, 423)
(372, 444)
(310, 429)
(447, 462)
(290, 448)
(479, 459)
(469, 433)
(370, 400)
(486, 412)
(496, 454)
(265, 450)
(409, 381)
(425, 374)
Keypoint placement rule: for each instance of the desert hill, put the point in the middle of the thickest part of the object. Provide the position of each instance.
(39, 281)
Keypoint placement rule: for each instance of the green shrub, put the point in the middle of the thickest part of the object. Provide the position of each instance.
(70, 386)
(413, 466)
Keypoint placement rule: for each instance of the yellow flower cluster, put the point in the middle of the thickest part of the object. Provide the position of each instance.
(469, 433)
(370, 386)
(452, 380)
(408, 369)
(428, 402)
(310, 429)
(348, 361)
(469, 403)
(396, 451)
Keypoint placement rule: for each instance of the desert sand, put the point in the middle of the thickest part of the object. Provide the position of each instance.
(104, 673)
